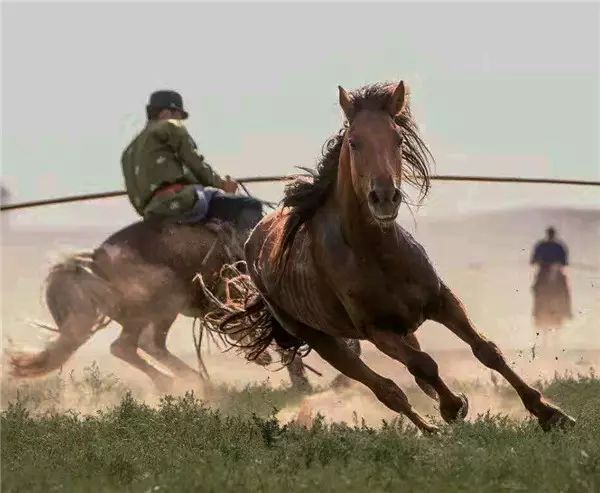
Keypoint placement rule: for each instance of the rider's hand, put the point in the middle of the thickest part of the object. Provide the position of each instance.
(229, 185)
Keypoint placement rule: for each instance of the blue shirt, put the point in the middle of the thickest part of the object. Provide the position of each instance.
(550, 252)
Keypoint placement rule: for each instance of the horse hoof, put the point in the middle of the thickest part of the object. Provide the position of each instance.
(27, 365)
(430, 429)
(456, 414)
(557, 419)
(464, 408)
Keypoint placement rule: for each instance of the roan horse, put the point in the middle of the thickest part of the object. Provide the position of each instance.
(332, 263)
(142, 278)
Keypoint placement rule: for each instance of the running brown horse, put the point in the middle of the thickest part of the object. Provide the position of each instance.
(332, 263)
(142, 278)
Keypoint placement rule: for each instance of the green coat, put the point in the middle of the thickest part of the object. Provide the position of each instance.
(165, 154)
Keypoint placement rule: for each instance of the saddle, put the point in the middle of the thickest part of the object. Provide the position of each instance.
(213, 204)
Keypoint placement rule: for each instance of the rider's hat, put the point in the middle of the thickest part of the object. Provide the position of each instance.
(166, 99)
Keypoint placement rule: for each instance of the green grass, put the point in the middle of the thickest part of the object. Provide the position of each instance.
(238, 445)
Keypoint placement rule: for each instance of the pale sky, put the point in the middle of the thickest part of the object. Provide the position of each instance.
(497, 88)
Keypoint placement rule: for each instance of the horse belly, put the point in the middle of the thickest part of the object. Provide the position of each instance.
(398, 311)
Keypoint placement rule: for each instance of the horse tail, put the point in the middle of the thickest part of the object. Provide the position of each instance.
(79, 301)
(243, 318)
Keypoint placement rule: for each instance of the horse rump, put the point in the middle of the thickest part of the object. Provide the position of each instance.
(79, 301)
(240, 315)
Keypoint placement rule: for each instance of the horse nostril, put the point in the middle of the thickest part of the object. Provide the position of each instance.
(397, 196)
(373, 197)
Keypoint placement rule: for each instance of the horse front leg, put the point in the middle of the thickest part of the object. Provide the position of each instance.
(337, 353)
(423, 368)
(412, 341)
(451, 313)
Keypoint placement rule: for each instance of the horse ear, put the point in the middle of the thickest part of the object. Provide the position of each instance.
(346, 103)
(397, 100)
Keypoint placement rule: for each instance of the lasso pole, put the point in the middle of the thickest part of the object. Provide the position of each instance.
(275, 178)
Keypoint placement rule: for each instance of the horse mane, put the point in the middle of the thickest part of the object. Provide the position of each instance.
(304, 196)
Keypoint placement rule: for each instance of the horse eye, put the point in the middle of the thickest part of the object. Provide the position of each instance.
(353, 144)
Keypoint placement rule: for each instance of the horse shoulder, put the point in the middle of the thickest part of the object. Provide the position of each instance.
(298, 289)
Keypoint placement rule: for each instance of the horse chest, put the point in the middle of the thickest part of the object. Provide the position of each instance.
(390, 292)
(398, 306)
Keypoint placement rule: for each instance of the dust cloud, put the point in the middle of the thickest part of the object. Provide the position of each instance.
(484, 258)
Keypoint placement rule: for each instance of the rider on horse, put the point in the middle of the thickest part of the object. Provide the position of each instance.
(549, 251)
(142, 276)
(166, 177)
(552, 298)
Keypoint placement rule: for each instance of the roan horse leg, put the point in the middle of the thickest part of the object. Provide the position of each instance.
(125, 348)
(157, 348)
(452, 314)
(422, 367)
(74, 331)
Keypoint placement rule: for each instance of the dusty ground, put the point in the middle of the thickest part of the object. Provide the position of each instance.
(459, 368)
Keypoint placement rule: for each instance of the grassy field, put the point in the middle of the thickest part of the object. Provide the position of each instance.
(237, 444)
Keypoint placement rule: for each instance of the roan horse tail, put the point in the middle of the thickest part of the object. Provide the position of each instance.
(79, 301)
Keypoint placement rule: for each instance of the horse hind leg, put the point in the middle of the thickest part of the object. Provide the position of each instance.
(76, 299)
(452, 314)
(341, 381)
(156, 346)
(125, 348)
(73, 333)
(297, 373)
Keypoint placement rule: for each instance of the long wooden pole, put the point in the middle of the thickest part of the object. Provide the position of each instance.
(275, 178)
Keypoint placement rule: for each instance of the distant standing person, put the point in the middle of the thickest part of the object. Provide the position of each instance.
(551, 296)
